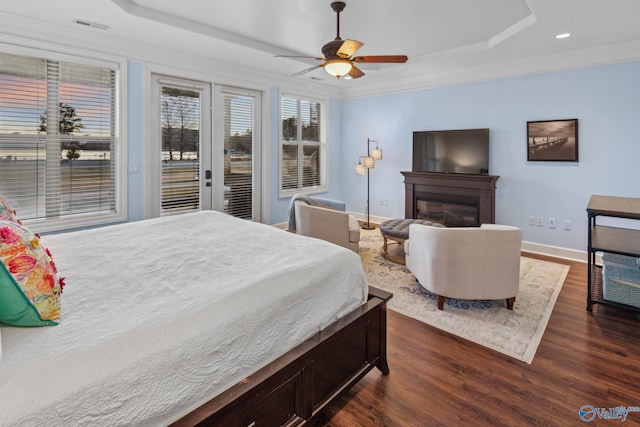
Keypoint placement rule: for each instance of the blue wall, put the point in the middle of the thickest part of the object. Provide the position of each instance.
(135, 137)
(604, 99)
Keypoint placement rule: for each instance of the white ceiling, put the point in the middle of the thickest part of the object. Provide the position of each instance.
(447, 41)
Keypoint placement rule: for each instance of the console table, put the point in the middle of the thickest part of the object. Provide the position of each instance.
(614, 240)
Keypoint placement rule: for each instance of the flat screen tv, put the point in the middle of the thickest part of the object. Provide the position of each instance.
(451, 151)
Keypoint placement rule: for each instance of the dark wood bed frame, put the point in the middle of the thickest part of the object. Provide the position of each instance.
(294, 388)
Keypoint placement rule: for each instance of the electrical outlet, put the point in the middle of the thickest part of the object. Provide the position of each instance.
(567, 225)
(532, 220)
(552, 223)
(539, 221)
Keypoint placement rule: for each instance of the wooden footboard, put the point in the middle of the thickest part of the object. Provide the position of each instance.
(295, 387)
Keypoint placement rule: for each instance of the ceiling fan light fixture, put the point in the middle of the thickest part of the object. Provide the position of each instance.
(338, 54)
(338, 67)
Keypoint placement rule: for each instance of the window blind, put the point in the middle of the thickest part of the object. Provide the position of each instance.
(238, 160)
(302, 146)
(57, 137)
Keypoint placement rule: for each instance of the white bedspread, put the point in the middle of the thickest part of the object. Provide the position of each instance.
(159, 316)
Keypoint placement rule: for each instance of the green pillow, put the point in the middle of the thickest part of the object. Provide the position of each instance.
(29, 288)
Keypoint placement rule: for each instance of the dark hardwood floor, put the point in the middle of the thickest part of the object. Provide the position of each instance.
(438, 379)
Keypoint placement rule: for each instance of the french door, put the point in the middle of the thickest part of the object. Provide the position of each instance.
(179, 160)
(203, 157)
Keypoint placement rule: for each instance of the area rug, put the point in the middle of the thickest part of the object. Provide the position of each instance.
(515, 333)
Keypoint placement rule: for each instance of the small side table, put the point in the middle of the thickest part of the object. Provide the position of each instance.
(398, 231)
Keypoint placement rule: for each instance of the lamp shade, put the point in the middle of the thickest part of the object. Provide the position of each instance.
(338, 67)
(368, 162)
(376, 153)
(359, 169)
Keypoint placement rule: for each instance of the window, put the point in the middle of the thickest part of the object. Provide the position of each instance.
(57, 140)
(303, 162)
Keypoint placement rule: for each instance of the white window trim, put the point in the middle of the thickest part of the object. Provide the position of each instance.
(81, 56)
(324, 167)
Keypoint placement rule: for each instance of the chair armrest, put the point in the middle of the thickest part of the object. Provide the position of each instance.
(322, 223)
(337, 205)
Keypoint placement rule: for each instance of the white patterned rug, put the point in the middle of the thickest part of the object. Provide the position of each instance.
(515, 333)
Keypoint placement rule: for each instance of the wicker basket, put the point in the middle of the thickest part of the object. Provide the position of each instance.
(621, 279)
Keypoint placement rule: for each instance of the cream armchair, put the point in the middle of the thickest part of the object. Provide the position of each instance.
(466, 262)
(332, 225)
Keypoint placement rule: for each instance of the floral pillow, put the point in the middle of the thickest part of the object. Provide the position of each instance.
(7, 213)
(29, 288)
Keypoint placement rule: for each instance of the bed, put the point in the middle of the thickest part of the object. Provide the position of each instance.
(194, 319)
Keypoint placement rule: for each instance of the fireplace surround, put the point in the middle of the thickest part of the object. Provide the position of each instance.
(451, 199)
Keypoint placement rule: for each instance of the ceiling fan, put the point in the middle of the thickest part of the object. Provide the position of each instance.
(338, 53)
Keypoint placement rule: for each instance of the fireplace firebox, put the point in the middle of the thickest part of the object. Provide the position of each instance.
(450, 212)
(455, 200)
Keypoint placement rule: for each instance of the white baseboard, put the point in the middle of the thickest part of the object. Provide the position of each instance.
(372, 218)
(555, 251)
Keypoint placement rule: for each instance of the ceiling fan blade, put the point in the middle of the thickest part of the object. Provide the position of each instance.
(355, 72)
(390, 59)
(300, 56)
(348, 48)
(308, 70)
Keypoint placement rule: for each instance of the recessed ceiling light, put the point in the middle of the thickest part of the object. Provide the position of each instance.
(563, 35)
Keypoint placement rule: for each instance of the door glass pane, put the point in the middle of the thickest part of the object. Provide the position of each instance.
(238, 155)
(180, 118)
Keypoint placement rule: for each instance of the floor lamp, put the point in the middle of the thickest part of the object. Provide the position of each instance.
(364, 164)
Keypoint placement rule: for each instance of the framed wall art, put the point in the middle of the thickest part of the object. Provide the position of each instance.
(552, 140)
